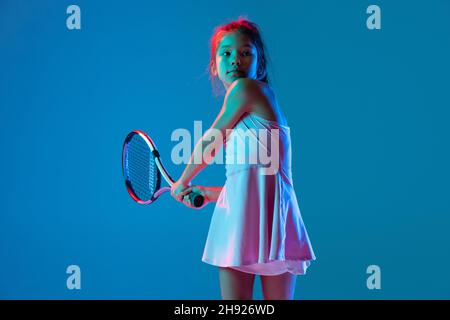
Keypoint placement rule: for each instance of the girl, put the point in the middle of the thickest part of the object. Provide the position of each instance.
(256, 227)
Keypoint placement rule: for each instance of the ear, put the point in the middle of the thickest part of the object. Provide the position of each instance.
(260, 73)
(213, 70)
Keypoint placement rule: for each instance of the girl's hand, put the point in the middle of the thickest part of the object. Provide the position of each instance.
(200, 190)
(178, 190)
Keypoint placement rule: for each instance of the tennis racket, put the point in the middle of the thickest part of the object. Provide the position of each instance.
(142, 169)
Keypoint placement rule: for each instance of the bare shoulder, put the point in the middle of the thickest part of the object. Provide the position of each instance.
(259, 97)
(251, 90)
(246, 85)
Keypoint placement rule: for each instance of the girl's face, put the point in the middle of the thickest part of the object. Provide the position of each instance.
(236, 57)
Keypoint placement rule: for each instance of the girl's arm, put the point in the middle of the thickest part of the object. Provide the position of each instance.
(238, 100)
(212, 193)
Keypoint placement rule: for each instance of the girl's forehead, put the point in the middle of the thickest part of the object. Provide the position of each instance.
(235, 39)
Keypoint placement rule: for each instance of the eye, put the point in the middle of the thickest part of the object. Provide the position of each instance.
(226, 53)
(246, 53)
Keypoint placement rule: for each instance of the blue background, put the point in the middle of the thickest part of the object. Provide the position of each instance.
(368, 109)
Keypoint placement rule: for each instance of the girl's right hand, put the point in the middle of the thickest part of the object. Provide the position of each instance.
(203, 191)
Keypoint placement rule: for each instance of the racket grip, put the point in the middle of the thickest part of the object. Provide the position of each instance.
(197, 199)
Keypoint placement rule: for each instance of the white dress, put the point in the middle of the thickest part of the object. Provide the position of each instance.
(256, 226)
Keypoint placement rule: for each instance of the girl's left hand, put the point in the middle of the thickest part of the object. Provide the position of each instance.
(178, 190)
(197, 190)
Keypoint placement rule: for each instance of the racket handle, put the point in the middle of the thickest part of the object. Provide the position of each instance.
(196, 199)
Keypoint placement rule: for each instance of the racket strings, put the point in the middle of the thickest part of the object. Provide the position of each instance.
(142, 172)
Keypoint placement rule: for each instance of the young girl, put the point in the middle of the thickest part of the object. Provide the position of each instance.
(256, 227)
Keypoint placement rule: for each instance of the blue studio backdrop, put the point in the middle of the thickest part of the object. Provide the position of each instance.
(368, 110)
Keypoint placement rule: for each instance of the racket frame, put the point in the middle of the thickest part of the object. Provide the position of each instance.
(161, 170)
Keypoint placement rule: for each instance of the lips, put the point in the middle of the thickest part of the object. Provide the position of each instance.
(233, 71)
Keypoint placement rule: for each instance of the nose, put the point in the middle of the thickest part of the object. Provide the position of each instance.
(236, 61)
